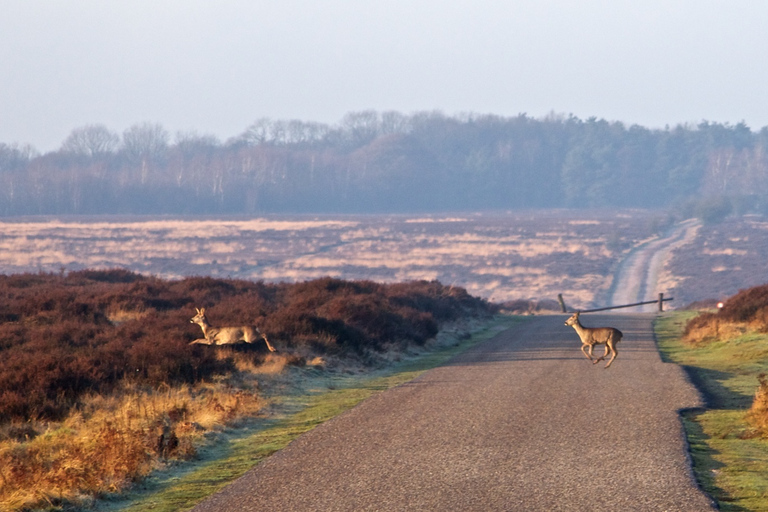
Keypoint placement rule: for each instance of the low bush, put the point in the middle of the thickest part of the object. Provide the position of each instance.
(747, 310)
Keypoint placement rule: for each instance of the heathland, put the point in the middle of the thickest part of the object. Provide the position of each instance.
(94, 316)
(100, 384)
(504, 256)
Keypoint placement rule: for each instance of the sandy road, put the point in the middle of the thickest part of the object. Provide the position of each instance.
(637, 278)
(520, 422)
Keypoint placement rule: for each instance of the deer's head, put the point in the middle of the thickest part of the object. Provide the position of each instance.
(573, 320)
(199, 318)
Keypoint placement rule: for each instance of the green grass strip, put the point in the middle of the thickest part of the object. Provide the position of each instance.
(229, 459)
(729, 462)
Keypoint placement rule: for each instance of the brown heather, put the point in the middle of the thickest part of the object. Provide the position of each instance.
(99, 385)
(745, 311)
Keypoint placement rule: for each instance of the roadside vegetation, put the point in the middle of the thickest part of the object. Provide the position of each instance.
(99, 386)
(725, 352)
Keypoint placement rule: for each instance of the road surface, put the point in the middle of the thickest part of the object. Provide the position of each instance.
(520, 422)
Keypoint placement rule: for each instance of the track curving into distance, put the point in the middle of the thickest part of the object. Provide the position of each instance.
(637, 278)
(520, 422)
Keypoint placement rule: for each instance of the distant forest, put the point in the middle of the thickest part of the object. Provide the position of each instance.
(373, 162)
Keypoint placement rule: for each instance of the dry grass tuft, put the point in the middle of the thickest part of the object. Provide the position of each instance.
(713, 329)
(276, 363)
(110, 442)
(758, 413)
(117, 316)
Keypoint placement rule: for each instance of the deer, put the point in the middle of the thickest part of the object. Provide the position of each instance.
(591, 336)
(226, 335)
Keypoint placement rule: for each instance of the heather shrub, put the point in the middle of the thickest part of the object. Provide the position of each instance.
(747, 310)
(745, 305)
(116, 275)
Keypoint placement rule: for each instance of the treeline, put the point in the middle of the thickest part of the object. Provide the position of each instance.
(391, 162)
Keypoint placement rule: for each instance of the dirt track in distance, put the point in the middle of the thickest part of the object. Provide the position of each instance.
(638, 277)
(520, 422)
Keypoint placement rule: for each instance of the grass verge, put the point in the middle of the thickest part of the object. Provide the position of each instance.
(730, 460)
(306, 401)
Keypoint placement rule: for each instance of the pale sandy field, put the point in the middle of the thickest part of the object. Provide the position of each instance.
(503, 256)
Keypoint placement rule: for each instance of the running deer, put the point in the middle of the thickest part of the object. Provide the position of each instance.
(591, 336)
(226, 335)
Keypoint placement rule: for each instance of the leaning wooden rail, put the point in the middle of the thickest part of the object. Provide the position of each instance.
(660, 301)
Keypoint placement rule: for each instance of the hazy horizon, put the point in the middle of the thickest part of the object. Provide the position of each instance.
(216, 68)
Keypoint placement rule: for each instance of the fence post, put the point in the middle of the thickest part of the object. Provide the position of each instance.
(562, 302)
(661, 303)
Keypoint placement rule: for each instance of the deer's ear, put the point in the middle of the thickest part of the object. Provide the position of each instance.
(198, 311)
(202, 311)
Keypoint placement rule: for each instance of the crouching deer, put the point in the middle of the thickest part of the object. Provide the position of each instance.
(591, 336)
(226, 335)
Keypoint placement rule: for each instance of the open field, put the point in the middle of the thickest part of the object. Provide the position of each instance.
(501, 257)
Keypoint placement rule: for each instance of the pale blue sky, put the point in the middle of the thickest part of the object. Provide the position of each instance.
(215, 67)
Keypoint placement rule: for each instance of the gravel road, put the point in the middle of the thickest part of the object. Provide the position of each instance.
(520, 422)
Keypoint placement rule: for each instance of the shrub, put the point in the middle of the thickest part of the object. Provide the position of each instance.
(748, 309)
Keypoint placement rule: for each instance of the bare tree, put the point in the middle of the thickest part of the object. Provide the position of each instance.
(361, 127)
(13, 156)
(145, 141)
(394, 122)
(258, 132)
(191, 142)
(91, 140)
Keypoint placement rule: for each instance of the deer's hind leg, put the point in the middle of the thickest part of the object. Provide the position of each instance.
(608, 349)
(614, 353)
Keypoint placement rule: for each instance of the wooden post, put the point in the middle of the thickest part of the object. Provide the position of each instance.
(661, 303)
(562, 303)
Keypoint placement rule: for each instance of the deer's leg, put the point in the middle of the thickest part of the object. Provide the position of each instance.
(269, 345)
(201, 341)
(613, 353)
(587, 355)
(594, 361)
(607, 351)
